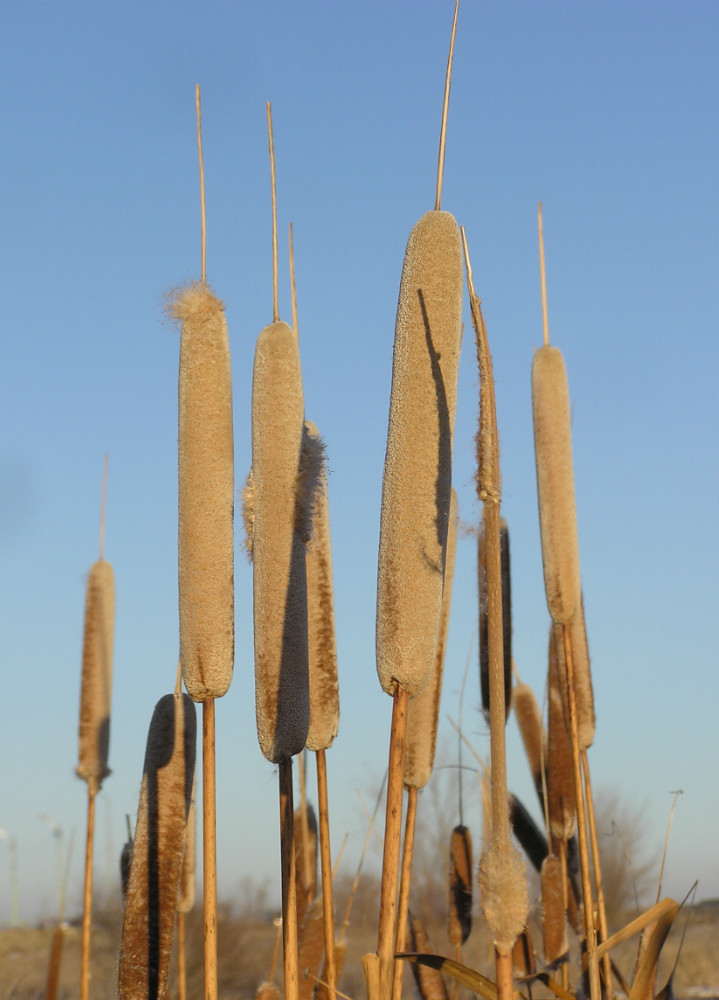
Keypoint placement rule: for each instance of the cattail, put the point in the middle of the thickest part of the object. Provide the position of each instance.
(423, 710)
(430, 982)
(583, 693)
(560, 775)
(529, 720)
(206, 485)
(555, 483)
(554, 921)
(321, 991)
(503, 886)
(125, 861)
(268, 991)
(527, 832)
(187, 883)
(95, 695)
(278, 545)
(506, 616)
(158, 850)
(305, 860)
(417, 472)
(324, 689)
(523, 955)
(461, 873)
(312, 946)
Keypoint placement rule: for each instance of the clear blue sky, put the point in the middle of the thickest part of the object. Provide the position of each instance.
(607, 114)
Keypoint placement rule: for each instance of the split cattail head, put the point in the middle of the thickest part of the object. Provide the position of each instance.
(324, 687)
(503, 893)
(555, 483)
(278, 538)
(96, 687)
(418, 463)
(205, 494)
(423, 709)
(506, 616)
(158, 850)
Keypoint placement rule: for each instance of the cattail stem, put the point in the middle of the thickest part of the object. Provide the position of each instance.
(289, 881)
(203, 224)
(445, 108)
(589, 928)
(404, 886)
(505, 979)
(543, 277)
(392, 835)
(181, 958)
(601, 908)
(275, 291)
(53, 972)
(87, 896)
(209, 860)
(326, 865)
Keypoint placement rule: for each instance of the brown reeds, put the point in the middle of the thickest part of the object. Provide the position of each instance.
(158, 850)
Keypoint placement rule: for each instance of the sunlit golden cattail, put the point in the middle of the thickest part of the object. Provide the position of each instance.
(560, 775)
(555, 482)
(506, 616)
(461, 874)
(305, 860)
(158, 850)
(554, 920)
(96, 691)
(430, 982)
(321, 991)
(583, 693)
(529, 720)
(312, 946)
(278, 545)
(186, 899)
(423, 710)
(324, 688)
(205, 497)
(417, 472)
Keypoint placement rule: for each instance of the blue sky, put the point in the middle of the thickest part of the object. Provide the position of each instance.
(607, 114)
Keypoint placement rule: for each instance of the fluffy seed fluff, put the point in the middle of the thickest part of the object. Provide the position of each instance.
(96, 689)
(503, 891)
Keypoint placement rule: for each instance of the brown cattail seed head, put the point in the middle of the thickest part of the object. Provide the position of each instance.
(96, 689)
(158, 850)
(503, 891)
(324, 688)
(581, 670)
(555, 483)
(418, 463)
(187, 882)
(278, 546)
(529, 720)
(560, 773)
(430, 982)
(205, 498)
(460, 886)
(423, 709)
(554, 921)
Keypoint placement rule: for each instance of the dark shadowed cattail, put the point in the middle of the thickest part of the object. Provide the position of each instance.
(527, 832)
(96, 690)
(554, 921)
(506, 616)
(205, 497)
(560, 776)
(461, 874)
(324, 688)
(158, 850)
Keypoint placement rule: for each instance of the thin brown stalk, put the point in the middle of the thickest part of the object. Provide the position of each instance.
(87, 897)
(53, 972)
(330, 974)
(404, 887)
(392, 832)
(209, 848)
(596, 864)
(181, 957)
(543, 277)
(289, 882)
